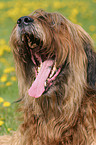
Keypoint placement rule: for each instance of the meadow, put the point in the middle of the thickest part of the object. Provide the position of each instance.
(82, 12)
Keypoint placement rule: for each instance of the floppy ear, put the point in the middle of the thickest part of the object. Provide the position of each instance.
(91, 67)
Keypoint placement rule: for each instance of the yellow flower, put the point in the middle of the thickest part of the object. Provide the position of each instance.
(8, 84)
(3, 47)
(92, 28)
(73, 19)
(94, 37)
(73, 15)
(1, 100)
(74, 12)
(2, 42)
(9, 129)
(8, 70)
(4, 78)
(94, 1)
(2, 119)
(6, 104)
(13, 78)
(6, 48)
(1, 122)
(58, 4)
(2, 5)
(4, 61)
(1, 52)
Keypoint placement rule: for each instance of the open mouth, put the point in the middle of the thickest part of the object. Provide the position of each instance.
(30, 40)
(45, 69)
(45, 75)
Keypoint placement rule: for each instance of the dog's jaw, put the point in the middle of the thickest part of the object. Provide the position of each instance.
(45, 68)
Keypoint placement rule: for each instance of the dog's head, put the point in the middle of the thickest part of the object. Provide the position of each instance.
(49, 50)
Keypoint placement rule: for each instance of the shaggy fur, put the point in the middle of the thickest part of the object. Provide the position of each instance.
(65, 113)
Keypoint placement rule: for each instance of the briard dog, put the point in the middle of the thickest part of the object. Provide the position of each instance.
(56, 71)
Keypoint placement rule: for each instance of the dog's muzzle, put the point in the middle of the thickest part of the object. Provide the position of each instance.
(45, 67)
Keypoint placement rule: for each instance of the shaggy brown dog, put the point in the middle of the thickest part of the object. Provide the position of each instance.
(56, 70)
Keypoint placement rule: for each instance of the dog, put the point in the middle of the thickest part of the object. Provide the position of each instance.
(56, 70)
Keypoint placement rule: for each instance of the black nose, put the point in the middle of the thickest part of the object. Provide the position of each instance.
(24, 21)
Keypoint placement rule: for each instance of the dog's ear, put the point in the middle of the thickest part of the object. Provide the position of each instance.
(91, 66)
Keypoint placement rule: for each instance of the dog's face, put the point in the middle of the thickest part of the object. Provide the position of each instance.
(49, 49)
(37, 39)
(42, 32)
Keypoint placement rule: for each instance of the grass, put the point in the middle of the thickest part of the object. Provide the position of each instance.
(81, 12)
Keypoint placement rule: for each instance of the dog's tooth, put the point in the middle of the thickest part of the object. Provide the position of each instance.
(22, 38)
(53, 71)
(45, 84)
(51, 74)
(48, 79)
(39, 68)
(54, 68)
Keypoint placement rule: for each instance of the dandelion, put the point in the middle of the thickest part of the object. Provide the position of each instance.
(94, 1)
(2, 5)
(73, 15)
(8, 84)
(3, 78)
(13, 78)
(92, 28)
(12, 13)
(4, 61)
(1, 52)
(2, 119)
(94, 37)
(1, 122)
(58, 4)
(2, 42)
(3, 47)
(74, 12)
(6, 48)
(6, 104)
(8, 70)
(9, 129)
(1, 100)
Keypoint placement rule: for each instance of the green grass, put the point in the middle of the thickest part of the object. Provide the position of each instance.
(81, 12)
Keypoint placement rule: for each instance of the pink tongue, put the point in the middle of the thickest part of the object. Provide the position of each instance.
(37, 87)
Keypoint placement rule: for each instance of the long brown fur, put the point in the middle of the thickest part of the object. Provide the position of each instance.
(66, 113)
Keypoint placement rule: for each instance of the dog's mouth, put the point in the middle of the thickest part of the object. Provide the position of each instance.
(45, 75)
(45, 67)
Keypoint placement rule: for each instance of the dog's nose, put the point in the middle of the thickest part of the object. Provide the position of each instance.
(24, 20)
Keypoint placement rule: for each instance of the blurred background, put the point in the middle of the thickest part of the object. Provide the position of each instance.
(82, 12)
